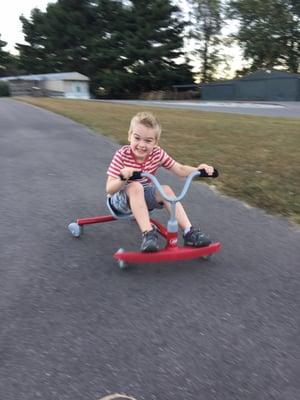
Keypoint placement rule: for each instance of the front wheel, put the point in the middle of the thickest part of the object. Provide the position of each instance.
(122, 264)
(207, 258)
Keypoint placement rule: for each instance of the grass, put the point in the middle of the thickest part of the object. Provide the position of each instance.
(258, 157)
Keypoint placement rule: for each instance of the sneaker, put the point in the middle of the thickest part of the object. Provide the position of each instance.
(196, 238)
(150, 241)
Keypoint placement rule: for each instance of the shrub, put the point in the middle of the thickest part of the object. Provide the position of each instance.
(4, 89)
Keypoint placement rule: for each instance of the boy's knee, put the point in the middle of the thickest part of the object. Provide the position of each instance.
(135, 188)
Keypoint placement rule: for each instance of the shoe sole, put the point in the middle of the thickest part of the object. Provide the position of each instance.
(150, 250)
(197, 245)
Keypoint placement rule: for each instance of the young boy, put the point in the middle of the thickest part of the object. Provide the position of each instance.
(140, 196)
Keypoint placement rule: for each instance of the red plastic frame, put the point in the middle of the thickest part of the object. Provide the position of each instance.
(171, 252)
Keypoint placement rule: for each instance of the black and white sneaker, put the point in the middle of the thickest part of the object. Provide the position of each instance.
(196, 238)
(150, 241)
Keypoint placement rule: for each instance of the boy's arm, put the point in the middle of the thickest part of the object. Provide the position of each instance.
(113, 185)
(185, 170)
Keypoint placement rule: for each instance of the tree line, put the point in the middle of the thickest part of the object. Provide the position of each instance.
(128, 47)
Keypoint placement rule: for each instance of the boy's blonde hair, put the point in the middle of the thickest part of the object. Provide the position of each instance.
(147, 119)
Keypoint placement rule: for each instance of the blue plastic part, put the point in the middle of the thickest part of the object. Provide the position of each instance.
(122, 264)
(75, 229)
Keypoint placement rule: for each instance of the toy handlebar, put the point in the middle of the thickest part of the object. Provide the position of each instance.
(200, 173)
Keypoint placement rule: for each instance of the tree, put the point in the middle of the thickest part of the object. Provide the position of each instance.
(110, 41)
(107, 48)
(207, 22)
(269, 32)
(7, 61)
(3, 57)
(57, 38)
(154, 44)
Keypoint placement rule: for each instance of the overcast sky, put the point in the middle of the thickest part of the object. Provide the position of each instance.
(10, 26)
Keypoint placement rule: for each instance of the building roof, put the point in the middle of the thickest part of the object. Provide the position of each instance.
(269, 74)
(59, 76)
(257, 75)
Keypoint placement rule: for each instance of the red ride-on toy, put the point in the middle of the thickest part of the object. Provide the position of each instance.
(171, 252)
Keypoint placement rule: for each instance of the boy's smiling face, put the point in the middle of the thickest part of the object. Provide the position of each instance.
(142, 141)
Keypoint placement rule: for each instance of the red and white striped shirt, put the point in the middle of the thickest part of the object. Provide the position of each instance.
(124, 157)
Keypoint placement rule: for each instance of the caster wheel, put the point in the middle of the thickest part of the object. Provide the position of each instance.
(207, 258)
(75, 229)
(122, 264)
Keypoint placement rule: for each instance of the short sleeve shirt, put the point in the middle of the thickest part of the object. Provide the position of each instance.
(124, 157)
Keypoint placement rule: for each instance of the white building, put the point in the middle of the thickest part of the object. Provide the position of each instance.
(71, 85)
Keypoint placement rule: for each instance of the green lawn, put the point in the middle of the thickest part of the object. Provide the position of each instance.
(258, 157)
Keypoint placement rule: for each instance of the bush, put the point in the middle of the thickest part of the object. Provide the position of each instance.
(4, 89)
(170, 95)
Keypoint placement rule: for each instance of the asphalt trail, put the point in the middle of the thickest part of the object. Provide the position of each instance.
(75, 327)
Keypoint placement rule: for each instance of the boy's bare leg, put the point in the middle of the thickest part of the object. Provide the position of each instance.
(181, 216)
(192, 237)
(135, 192)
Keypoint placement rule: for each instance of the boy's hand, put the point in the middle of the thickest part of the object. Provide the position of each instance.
(127, 172)
(208, 168)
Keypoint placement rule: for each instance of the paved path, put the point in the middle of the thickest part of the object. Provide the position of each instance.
(287, 109)
(75, 327)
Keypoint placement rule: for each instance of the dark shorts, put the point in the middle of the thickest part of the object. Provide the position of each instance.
(120, 200)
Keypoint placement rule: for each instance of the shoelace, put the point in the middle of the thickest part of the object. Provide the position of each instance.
(195, 234)
(150, 234)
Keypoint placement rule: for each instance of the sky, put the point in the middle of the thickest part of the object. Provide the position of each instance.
(11, 28)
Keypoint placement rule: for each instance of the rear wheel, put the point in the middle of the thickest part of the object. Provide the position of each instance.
(75, 229)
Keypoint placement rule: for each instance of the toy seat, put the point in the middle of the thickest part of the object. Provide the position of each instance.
(115, 213)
